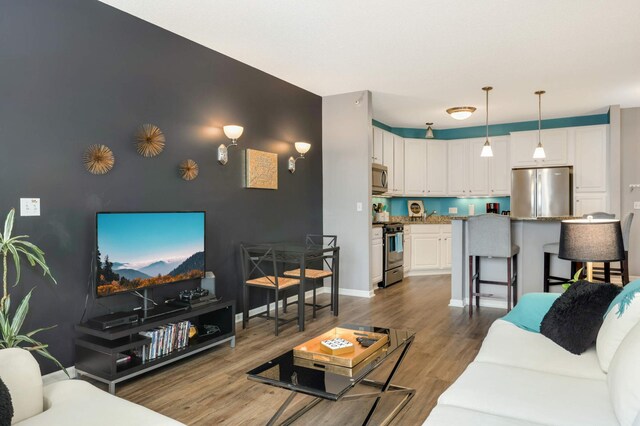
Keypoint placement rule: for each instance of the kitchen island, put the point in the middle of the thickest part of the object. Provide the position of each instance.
(531, 234)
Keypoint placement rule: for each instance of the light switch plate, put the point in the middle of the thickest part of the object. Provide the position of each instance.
(453, 210)
(636, 205)
(359, 206)
(29, 206)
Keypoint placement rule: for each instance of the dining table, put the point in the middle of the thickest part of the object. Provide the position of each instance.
(302, 254)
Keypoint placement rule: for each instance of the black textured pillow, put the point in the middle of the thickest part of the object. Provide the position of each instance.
(575, 317)
(6, 407)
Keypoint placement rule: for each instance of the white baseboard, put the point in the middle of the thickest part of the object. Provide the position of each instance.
(412, 273)
(356, 293)
(292, 298)
(58, 376)
(456, 303)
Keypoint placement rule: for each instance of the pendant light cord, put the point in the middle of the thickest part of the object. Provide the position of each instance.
(487, 108)
(539, 118)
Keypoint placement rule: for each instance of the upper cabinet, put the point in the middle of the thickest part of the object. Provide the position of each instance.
(376, 149)
(415, 167)
(468, 173)
(478, 180)
(499, 170)
(398, 165)
(457, 169)
(436, 168)
(554, 141)
(590, 175)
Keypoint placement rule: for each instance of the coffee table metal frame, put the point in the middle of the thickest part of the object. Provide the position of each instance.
(383, 388)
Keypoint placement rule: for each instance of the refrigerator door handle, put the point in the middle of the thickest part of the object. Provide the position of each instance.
(539, 195)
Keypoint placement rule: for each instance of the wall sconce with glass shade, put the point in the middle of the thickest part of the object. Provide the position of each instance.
(302, 148)
(461, 113)
(429, 134)
(233, 132)
(486, 148)
(539, 154)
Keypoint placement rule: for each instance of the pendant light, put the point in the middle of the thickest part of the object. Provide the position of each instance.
(486, 148)
(429, 134)
(539, 154)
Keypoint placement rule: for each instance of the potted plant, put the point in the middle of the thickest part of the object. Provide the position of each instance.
(11, 336)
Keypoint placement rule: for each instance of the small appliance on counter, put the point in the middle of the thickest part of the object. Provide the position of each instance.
(380, 213)
(493, 208)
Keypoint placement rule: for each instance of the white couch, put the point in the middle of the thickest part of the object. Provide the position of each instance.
(66, 402)
(523, 378)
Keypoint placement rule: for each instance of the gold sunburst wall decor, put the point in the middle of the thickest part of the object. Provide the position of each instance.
(149, 140)
(98, 159)
(189, 169)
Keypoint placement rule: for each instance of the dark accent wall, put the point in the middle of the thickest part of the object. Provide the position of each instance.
(75, 73)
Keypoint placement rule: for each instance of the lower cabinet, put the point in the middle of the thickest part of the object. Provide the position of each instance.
(407, 249)
(377, 267)
(430, 248)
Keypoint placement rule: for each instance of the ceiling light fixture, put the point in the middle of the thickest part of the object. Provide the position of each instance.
(429, 134)
(486, 148)
(539, 154)
(461, 113)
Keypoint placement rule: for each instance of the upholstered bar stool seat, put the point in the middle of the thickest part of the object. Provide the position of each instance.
(490, 237)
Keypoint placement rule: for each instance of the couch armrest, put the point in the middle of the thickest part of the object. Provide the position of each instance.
(21, 373)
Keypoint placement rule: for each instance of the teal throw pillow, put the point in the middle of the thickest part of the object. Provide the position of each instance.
(530, 310)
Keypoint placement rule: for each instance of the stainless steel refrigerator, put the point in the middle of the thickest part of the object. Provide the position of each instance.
(542, 192)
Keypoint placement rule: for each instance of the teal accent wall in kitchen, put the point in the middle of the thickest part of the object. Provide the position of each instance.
(398, 206)
(496, 129)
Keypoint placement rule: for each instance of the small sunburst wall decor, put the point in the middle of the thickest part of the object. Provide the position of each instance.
(189, 169)
(149, 140)
(98, 159)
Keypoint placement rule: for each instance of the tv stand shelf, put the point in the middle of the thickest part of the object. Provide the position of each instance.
(97, 350)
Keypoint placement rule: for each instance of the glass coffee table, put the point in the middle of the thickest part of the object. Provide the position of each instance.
(323, 382)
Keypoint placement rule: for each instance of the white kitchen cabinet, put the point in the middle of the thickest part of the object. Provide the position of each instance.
(415, 167)
(499, 170)
(398, 165)
(585, 203)
(376, 149)
(436, 168)
(554, 141)
(590, 171)
(430, 248)
(457, 170)
(388, 160)
(478, 176)
(377, 269)
(407, 249)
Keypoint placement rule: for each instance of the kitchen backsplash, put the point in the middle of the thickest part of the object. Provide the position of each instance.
(398, 206)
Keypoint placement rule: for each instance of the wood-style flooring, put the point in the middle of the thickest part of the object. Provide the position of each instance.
(212, 388)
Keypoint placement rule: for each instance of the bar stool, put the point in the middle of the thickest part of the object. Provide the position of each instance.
(490, 236)
(549, 249)
(623, 271)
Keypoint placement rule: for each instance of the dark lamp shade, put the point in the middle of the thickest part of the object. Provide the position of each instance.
(595, 240)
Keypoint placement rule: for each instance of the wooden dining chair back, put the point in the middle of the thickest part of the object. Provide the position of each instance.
(315, 275)
(260, 270)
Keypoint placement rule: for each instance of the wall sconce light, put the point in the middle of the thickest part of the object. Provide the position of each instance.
(302, 148)
(233, 132)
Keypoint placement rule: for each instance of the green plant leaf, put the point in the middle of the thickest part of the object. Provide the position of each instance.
(21, 314)
(31, 333)
(45, 353)
(8, 224)
(16, 262)
(576, 276)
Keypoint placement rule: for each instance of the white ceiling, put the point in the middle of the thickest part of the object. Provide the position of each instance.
(419, 57)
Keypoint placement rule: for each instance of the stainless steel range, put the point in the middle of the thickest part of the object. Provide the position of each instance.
(393, 257)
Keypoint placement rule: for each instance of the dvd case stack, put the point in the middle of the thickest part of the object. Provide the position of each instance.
(165, 339)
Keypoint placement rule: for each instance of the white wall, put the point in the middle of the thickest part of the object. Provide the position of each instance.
(346, 176)
(630, 157)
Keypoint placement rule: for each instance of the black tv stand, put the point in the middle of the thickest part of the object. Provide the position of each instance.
(160, 311)
(99, 352)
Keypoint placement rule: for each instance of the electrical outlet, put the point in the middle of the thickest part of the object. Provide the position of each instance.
(636, 205)
(453, 210)
(29, 206)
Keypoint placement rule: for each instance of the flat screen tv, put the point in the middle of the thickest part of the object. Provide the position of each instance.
(136, 251)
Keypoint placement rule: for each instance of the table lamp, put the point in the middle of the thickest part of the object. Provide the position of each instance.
(591, 240)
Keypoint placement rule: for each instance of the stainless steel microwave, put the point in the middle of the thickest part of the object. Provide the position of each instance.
(379, 180)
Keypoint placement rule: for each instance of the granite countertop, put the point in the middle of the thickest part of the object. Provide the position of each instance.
(529, 219)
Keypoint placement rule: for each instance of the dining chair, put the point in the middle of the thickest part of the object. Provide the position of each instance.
(256, 263)
(315, 275)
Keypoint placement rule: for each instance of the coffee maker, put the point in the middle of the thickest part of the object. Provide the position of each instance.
(493, 208)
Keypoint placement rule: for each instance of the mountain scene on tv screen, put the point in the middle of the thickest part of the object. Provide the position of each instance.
(118, 276)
